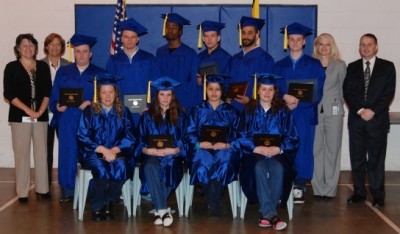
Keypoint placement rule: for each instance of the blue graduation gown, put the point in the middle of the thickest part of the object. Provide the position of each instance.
(305, 115)
(181, 65)
(136, 73)
(243, 67)
(206, 165)
(171, 171)
(219, 56)
(67, 121)
(108, 130)
(261, 122)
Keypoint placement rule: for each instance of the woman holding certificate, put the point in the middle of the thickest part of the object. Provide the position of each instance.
(269, 143)
(160, 134)
(106, 142)
(212, 131)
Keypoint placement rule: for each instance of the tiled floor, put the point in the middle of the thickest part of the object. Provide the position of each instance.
(40, 216)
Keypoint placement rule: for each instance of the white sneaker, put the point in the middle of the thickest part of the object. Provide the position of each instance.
(298, 196)
(157, 219)
(167, 219)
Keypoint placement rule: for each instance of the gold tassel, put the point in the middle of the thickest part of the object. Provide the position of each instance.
(148, 99)
(255, 87)
(164, 25)
(285, 40)
(240, 35)
(205, 87)
(95, 90)
(200, 40)
(69, 47)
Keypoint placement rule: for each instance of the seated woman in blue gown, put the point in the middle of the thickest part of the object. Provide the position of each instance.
(161, 169)
(214, 163)
(106, 141)
(269, 140)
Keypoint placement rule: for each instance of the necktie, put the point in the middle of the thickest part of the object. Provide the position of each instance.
(367, 77)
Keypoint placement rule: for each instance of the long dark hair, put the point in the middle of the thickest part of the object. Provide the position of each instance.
(29, 37)
(172, 113)
(276, 102)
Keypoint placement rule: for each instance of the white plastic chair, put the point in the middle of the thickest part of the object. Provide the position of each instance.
(289, 204)
(234, 196)
(82, 180)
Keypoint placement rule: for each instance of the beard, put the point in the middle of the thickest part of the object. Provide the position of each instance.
(248, 42)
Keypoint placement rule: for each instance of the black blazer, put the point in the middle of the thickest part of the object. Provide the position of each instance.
(380, 92)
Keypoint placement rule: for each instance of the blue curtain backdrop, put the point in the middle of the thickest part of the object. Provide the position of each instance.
(97, 20)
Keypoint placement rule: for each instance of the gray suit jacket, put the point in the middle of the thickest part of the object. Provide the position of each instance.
(333, 92)
(63, 61)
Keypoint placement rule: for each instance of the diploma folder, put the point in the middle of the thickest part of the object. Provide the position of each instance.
(136, 103)
(213, 134)
(267, 140)
(71, 97)
(160, 141)
(237, 88)
(304, 90)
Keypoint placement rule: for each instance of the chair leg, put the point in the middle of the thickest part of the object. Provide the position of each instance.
(84, 178)
(180, 196)
(126, 192)
(136, 191)
(243, 205)
(232, 188)
(189, 195)
(289, 204)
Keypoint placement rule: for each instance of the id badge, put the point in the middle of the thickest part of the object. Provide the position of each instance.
(335, 110)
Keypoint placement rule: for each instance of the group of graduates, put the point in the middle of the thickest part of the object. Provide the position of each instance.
(103, 136)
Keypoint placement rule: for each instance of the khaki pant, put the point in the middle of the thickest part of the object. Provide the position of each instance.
(22, 135)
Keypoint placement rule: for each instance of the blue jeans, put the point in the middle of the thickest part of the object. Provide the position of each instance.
(269, 182)
(158, 190)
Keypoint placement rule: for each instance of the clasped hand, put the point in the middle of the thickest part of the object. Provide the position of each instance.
(267, 151)
(216, 146)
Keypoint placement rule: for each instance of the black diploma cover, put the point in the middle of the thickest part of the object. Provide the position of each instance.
(213, 134)
(135, 102)
(208, 68)
(238, 88)
(71, 97)
(304, 90)
(267, 140)
(160, 141)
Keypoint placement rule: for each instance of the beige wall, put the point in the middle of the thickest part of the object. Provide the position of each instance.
(343, 19)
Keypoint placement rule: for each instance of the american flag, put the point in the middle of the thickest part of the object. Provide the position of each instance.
(120, 15)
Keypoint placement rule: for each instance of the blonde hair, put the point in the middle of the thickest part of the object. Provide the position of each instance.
(119, 108)
(334, 55)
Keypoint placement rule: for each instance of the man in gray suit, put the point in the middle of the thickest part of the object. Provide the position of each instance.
(54, 48)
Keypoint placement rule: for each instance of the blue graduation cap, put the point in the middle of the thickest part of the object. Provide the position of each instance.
(209, 25)
(296, 28)
(163, 83)
(175, 18)
(250, 21)
(107, 79)
(265, 79)
(79, 39)
(213, 78)
(134, 26)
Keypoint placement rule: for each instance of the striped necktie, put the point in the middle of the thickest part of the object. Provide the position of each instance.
(367, 77)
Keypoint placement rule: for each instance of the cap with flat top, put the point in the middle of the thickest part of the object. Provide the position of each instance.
(134, 26)
(80, 39)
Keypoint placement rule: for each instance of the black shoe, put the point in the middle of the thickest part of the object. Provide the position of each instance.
(378, 202)
(219, 211)
(108, 212)
(23, 199)
(45, 196)
(97, 215)
(318, 197)
(327, 198)
(66, 199)
(356, 199)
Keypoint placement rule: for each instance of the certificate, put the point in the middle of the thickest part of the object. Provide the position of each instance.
(238, 88)
(71, 97)
(304, 90)
(213, 134)
(135, 102)
(160, 141)
(267, 140)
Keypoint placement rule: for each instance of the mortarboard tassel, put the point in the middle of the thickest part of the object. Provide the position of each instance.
(255, 87)
(69, 51)
(95, 90)
(285, 40)
(205, 87)
(240, 35)
(164, 25)
(148, 99)
(200, 40)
